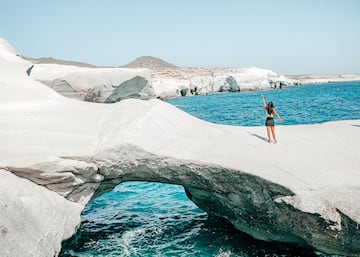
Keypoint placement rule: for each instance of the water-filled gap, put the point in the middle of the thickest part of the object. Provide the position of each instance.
(155, 219)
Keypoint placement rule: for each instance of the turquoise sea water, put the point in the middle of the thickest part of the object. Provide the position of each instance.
(153, 219)
(296, 105)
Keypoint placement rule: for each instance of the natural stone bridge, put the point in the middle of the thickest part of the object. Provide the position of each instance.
(256, 205)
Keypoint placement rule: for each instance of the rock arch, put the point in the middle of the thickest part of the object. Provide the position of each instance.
(249, 202)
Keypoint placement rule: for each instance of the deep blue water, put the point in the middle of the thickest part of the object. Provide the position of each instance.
(153, 219)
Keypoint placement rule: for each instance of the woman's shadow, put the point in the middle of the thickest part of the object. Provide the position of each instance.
(259, 137)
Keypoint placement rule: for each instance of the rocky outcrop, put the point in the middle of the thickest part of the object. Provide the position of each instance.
(170, 83)
(163, 80)
(95, 84)
(232, 85)
(136, 87)
(33, 219)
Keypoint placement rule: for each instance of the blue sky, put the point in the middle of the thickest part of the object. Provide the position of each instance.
(286, 36)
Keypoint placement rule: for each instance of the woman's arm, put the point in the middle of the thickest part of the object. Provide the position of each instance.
(278, 116)
(263, 100)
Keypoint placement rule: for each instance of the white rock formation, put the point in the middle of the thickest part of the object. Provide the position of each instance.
(170, 83)
(304, 189)
(95, 84)
(33, 219)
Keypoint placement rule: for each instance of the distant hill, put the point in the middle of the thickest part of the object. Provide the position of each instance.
(51, 60)
(140, 62)
(150, 63)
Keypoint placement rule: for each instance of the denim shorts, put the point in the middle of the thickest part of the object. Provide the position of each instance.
(269, 121)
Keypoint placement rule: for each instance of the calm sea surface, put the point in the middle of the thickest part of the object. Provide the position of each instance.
(153, 219)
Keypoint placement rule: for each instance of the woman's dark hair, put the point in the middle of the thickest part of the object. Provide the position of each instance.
(270, 107)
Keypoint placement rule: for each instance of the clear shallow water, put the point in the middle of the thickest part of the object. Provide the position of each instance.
(153, 219)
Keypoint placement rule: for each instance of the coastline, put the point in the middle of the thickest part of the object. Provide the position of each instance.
(162, 80)
(306, 79)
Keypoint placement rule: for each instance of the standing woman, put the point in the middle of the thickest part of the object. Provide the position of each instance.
(269, 123)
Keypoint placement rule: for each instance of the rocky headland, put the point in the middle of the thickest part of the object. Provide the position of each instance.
(149, 77)
(145, 78)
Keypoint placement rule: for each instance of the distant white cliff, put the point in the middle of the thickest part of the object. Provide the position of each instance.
(160, 80)
(149, 77)
(58, 153)
(169, 83)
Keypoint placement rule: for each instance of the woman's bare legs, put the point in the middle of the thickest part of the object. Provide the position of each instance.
(273, 133)
(268, 132)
